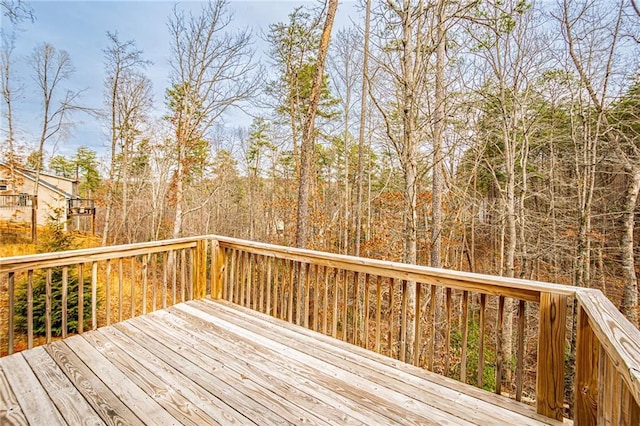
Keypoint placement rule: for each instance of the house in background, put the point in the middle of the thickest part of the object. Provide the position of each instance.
(54, 193)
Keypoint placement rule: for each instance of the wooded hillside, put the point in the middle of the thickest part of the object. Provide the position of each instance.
(500, 137)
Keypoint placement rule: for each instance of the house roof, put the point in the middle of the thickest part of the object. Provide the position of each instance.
(30, 174)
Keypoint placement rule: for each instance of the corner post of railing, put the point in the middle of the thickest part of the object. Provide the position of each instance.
(200, 273)
(551, 352)
(586, 381)
(217, 269)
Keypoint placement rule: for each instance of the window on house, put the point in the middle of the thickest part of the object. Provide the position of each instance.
(4, 185)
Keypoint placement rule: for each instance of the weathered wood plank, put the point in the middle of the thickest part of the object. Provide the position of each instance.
(271, 382)
(107, 401)
(211, 378)
(70, 403)
(466, 408)
(343, 395)
(387, 387)
(10, 412)
(399, 370)
(32, 397)
(241, 387)
(186, 402)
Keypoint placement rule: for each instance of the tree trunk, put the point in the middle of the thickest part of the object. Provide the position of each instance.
(438, 131)
(363, 116)
(630, 293)
(308, 136)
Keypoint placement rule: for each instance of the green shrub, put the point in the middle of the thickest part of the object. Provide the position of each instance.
(39, 303)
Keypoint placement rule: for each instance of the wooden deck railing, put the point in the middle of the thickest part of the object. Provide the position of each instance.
(454, 323)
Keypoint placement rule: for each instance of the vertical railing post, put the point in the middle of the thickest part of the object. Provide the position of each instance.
(587, 355)
(551, 346)
(10, 331)
(199, 276)
(218, 262)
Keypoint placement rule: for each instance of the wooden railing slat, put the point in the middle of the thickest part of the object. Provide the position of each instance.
(64, 300)
(29, 309)
(520, 351)
(465, 336)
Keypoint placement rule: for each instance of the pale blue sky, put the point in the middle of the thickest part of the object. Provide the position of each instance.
(80, 27)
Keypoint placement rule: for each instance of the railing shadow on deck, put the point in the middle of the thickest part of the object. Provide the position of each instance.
(509, 336)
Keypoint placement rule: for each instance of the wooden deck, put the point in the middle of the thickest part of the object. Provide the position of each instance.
(212, 362)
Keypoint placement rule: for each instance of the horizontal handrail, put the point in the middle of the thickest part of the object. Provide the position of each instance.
(488, 284)
(61, 258)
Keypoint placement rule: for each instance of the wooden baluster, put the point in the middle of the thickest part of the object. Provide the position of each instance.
(120, 289)
(345, 304)
(224, 268)
(218, 288)
(64, 300)
(367, 301)
(417, 343)
(243, 278)
(465, 336)
(94, 295)
(447, 335)
(270, 286)
(248, 280)
(391, 318)
(10, 326)
(520, 359)
(190, 278)
(551, 342)
(298, 291)
(629, 408)
(601, 414)
(403, 320)
(165, 260)
(232, 277)
(107, 293)
(334, 316)
(261, 280)
(378, 312)
(183, 275)
(145, 272)
(432, 327)
(587, 357)
(154, 284)
(307, 294)
(283, 289)
(277, 288)
(482, 321)
(316, 297)
(132, 289)
(356, 301)
(292, 266)
(499, 345)
(30, 308)
(80, 327)
(325, 301)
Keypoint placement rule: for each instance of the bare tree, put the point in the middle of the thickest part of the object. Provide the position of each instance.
(8, 96)
(308, 134)
(128, 97)
(51, 67)
(345, 73)
(211, 71)
(361, 131)
(16, 10)
(605, 41)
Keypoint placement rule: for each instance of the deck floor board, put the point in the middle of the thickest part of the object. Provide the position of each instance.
(212, 362)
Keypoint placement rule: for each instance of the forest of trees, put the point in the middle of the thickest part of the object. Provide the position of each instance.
(498, 136)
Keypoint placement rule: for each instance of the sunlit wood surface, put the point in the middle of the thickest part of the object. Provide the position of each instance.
(212, 362)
